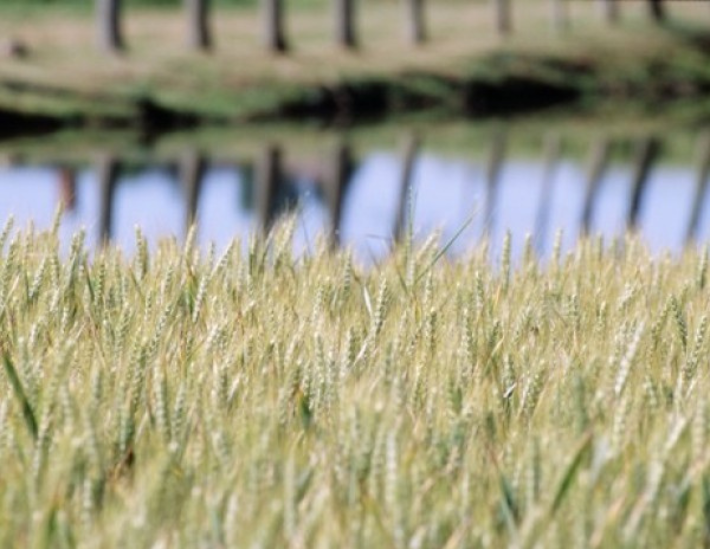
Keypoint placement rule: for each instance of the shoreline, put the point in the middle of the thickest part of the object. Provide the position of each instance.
(519, 86)
(469, 72)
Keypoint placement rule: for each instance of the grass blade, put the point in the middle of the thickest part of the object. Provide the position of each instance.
(571, 472)
(448, 245)
(27, 411)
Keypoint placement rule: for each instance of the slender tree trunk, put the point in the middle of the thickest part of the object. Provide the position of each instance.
(610, 11)
(334, 185)
(494, 170)
(67, 188)
(658, 12)
(553, 151)
(198, 31)
(108, 19)
(598, 163)
(273, 13)
(193, 167)
(416, 25)
(559, 14)
(648, 152)
(504, 24)
(345, 34)
(404, 210)
(269, 178)
(701, 186)
(107, 170)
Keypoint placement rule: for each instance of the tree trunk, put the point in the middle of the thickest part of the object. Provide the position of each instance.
(553, 151)
(403, 221)
(598, 164)
(415, 21)
(648, 151)
(658, 12)
(193, 167)
(334, 184)
(610, 11)
(345, 35)
(108, 15)
(494, 170)
(108, 170)
(701, 185)
(274, 39)
(198, 32)
(269, 178)
(504, 23)
(67, 188)
(559, 14)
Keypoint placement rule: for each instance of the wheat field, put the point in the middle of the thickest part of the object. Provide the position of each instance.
(250, 398)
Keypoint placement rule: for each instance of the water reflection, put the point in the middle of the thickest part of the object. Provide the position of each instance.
(368, 203)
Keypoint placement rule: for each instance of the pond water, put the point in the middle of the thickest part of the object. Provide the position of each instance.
(453, 194)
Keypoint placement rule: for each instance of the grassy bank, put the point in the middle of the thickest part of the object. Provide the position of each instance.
(464, 69)
(230, 399)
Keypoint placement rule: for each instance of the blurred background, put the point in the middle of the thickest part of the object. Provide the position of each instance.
(364, 119)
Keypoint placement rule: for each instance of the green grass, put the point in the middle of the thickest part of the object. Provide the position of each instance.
(256, 399)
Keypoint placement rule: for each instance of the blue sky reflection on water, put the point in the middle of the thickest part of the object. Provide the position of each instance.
(449, 194)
